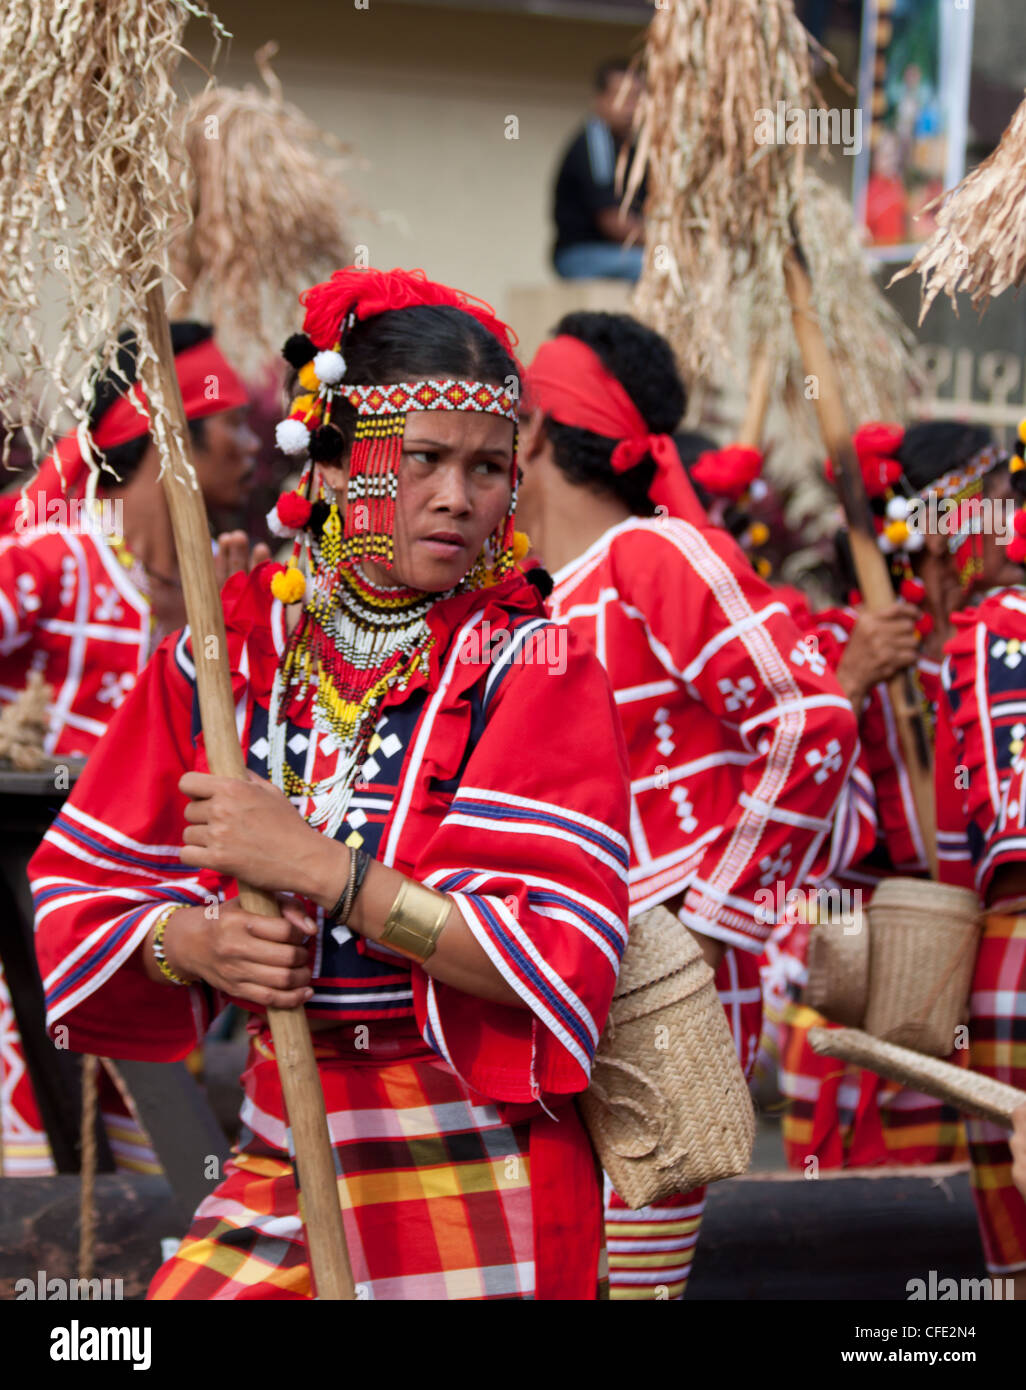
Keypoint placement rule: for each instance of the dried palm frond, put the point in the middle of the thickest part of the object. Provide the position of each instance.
(269, 213)
(719, 203)
(869, 342)
(979, 246)
(90, 194)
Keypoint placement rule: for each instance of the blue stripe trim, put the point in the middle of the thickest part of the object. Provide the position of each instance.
(489, 810)
(104, 949)
(546, 896)
(541, 986)
(58, 890)
(125, 856)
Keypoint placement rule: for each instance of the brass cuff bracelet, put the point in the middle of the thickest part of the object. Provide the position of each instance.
(416, 919)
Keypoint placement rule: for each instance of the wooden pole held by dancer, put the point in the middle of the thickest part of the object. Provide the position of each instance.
(760, 384)
(870, 565)
(290, 1032)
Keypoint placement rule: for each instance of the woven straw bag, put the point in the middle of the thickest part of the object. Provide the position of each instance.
(838, 965)
(668, 1108)
(925, 938)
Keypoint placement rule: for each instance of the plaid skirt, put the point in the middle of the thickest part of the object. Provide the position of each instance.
(435, 1187)
(651, 1250)
(845, 1117)
(997, 1047)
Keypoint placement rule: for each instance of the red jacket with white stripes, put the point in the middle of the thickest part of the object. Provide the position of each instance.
(70, 611)
(741, 743)
(510, 793)
(981, 736)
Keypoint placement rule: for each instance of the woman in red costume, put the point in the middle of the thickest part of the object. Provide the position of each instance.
(439, 799)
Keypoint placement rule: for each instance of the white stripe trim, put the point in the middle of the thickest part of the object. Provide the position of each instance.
(482, 934)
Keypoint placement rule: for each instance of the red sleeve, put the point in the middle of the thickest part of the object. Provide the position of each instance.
(796, 816)
(107, 868)
(534, 852)
(29, 577)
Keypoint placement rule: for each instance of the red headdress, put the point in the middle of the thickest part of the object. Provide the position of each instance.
(728, 472)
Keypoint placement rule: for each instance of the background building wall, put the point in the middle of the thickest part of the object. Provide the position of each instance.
(424, 94)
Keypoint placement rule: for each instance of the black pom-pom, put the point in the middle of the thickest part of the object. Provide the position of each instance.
(298, 350)
(541, 579)
(318, 516)
(326, 444)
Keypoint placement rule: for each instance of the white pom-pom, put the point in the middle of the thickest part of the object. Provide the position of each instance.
(277, 527)
(292, 436)
(885, 545)
(897, 509)
(329, 367)
(758, 489)
(916, 540)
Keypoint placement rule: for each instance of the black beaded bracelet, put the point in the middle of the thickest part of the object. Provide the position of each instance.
(359, 861)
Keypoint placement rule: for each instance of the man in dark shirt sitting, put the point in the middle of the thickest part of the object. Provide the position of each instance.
(590, 228)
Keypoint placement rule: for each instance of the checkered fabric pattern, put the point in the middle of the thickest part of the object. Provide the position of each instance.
(846, 1117)
(997, 1047)
(435, 1189)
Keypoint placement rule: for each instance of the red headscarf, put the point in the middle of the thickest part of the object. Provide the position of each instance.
(208, 384)
(569, 383)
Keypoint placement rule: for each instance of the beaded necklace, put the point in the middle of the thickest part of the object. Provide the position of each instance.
(354, 642)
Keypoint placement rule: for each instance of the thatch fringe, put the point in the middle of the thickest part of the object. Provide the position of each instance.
(269, 209)
(90, 194)
(979, 245)
(719, 204)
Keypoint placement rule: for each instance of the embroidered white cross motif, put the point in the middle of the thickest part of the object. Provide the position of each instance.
(736, 696)
(824, 763)
(679, 796)
(109, 608)
(775, 867)
(30, 600)
(1009, 652)
(68, 580)
(666, 744)
(113, 689)
(805, 654)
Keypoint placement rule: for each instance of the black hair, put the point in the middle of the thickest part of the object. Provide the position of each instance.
(935, 447)
(644, 365)
(123, 459)
(611, 67)
(928, 451)
(425, 340)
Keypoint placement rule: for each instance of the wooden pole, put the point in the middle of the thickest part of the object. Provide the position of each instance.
(870, 565)
(293, 1048)
(760, 383)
